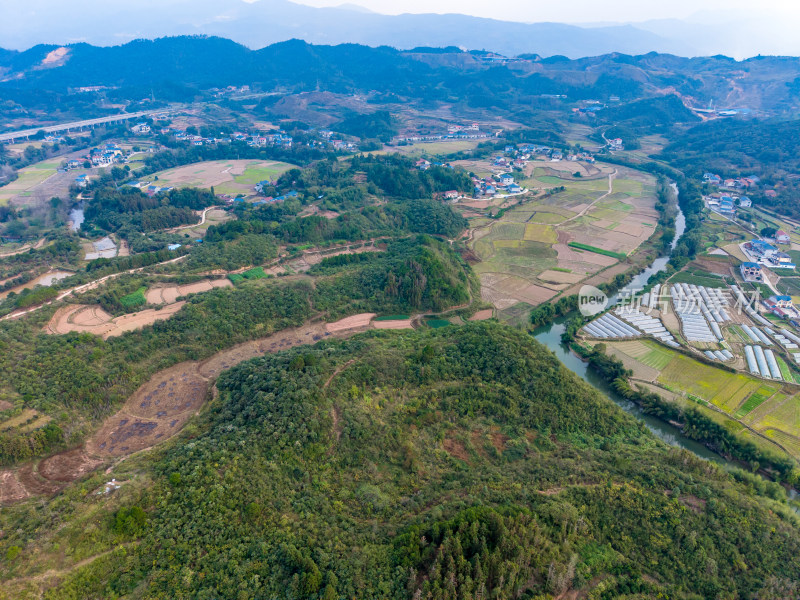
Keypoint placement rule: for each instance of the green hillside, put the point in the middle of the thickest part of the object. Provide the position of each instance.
(463, 462)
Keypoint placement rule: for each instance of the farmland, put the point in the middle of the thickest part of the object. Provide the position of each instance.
(225, 176)
(534, 248)
(734, 399)
(28, 179)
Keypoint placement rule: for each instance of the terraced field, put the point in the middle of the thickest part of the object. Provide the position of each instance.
(523, 251)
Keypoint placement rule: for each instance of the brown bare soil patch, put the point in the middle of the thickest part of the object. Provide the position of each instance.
(11, 490)
(67, 466)
(90, 316)
(55, 56)
(141, 319)
(504, 290)
(169, 294)
(92, 319)
(34, 483)
(354, 322)
(477, 204)
(4, 405)
(456, 448)
(400, 324)
(560, 277)
(693, 503)
(482, 315)
(499, 440)
(282, 340)
(156, 411)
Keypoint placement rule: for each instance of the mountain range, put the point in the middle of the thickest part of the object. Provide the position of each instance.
(264, 22)
(177, 67)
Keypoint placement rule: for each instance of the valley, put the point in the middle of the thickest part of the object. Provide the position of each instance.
(312, 325)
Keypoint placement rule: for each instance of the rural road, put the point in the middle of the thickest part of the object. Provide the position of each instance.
(610, 191)
(85, 287)
(24, 248)
(202, 220)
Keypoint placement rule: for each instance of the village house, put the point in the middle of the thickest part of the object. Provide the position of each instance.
(782, 237)
(506, 179)
(141, 128)
(751, 271)
(745, 202)
(780, 260)
(452, 194)
(781, 301)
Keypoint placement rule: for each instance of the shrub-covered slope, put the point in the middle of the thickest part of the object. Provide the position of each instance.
(457, 463)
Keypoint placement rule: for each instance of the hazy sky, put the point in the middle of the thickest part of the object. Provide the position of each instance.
(583, 11)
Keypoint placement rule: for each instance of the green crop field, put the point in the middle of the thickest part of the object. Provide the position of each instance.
(134, 299)
(392, 318)
(588, 248)
(437, 323)
(760, 396)
(658, 357)
(235, 277)
(254, 174)
(540, 233)
(697, 378)
(729, 397)
(254, 273)
(704, 280)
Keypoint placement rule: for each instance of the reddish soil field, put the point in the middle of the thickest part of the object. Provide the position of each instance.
(482, 315)
(399, 324)
(361, 320)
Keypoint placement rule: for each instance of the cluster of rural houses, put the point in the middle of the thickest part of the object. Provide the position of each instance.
(518, 156)
(495, 185)
(454, 132)
(726, 204)
(149, 188)
(765, 253)
(738, 183)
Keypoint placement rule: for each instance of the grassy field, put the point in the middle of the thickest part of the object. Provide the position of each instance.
(27, 178)
(225, 176)
(760, 396)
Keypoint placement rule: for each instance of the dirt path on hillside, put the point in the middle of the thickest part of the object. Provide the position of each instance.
(157, 411)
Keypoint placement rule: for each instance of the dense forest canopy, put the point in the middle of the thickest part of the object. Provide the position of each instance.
(458, 463)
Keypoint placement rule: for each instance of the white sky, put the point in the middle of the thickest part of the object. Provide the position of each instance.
(583, 11)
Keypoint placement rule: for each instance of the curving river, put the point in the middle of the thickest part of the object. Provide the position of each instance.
(550, 336)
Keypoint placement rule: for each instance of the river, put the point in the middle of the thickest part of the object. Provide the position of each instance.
(550, 336)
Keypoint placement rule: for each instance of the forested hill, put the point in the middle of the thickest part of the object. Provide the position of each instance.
(732, 148)
(172, 68)
(457, 463)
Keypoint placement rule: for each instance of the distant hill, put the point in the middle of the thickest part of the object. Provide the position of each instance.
(265, 22)
(176, 68)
